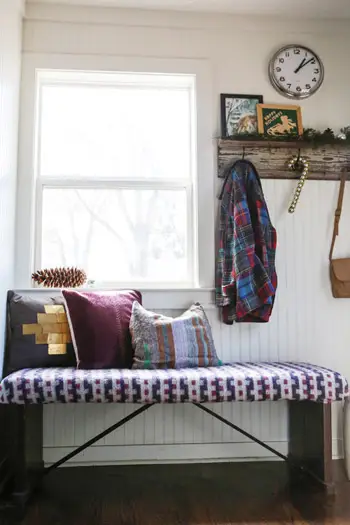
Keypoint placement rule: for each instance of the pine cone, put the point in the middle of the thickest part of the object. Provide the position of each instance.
(60, 277)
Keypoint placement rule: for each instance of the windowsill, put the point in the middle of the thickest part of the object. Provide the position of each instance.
(160, 299)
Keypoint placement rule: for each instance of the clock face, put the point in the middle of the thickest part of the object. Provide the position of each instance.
(296, 72)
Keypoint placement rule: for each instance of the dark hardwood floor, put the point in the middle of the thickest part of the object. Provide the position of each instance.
(220, 494)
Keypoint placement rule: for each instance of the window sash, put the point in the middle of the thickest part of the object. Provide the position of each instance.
(163, 81)
(75, 183)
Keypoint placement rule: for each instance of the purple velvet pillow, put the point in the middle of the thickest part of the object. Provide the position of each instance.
(99, 324)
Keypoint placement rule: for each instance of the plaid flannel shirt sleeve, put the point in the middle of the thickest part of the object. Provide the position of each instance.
(246, 279)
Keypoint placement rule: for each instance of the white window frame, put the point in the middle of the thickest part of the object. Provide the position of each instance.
(56, 78)
(29, 202)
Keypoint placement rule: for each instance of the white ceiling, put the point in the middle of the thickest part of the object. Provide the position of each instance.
(295, 8)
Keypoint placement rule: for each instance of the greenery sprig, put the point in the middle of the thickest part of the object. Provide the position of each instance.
(309, 135)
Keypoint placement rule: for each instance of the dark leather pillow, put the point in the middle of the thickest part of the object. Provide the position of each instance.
(99, 323)
(38, 332)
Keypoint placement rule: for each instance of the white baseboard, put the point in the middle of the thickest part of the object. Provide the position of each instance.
(337, 448)
(177, 453)
(173, 453)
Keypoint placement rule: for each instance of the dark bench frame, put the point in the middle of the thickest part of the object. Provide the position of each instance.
(309, 457)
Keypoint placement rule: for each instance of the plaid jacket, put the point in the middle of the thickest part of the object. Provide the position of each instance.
(246, 279)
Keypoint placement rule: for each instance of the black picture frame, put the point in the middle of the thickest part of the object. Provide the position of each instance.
(249, 125)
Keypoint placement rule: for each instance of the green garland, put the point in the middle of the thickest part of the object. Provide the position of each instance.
(309, 135)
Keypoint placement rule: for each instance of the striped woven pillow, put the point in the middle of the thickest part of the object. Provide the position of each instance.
(164, 342)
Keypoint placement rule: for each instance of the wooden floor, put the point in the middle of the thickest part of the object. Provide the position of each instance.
(221, 494)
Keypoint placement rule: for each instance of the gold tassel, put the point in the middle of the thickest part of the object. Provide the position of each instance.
(294, 164)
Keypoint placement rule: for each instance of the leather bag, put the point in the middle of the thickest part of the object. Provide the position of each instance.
(339, 268)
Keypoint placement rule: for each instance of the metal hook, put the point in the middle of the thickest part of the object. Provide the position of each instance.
(298, 158)
(243, 154)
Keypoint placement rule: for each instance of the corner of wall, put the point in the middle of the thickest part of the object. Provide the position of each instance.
(10, 58)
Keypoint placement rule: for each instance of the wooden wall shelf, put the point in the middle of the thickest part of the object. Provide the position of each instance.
(271, 158)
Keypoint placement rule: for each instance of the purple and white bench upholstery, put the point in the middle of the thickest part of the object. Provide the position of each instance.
(234, 382)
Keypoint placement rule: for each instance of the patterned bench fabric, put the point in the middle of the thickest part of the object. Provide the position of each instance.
(233, 382)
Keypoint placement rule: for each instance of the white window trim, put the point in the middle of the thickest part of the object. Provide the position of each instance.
(203, 188)
(104, 80)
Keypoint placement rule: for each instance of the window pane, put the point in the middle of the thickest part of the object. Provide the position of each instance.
(117, 235)
(115, 131)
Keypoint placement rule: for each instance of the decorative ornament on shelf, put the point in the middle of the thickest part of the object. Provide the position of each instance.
(309, 135)
(296, 163)
(60, 277)
(329, 133)
(344, 133)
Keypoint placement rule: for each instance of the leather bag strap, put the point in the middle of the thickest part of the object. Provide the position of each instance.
(338, 213)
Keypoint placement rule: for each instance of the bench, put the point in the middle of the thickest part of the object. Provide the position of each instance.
(308, 389)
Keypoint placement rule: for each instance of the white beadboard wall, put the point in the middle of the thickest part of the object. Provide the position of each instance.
(11, 12)
(306, 323)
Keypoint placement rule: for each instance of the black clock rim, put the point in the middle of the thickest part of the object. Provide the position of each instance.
(282, 91)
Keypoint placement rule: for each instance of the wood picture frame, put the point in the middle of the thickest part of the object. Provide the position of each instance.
(238, 114)
(278, 119)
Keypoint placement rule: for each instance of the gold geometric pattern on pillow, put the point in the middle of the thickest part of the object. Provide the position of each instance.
(52, 329)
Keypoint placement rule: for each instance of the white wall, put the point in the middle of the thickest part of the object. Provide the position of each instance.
(307, 323)
(10, 64)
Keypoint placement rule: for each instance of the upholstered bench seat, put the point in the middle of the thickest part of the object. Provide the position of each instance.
(265, 381)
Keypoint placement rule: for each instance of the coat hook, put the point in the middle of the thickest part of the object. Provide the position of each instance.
(243, 154)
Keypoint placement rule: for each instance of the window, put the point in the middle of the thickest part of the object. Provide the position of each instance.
(115, 170)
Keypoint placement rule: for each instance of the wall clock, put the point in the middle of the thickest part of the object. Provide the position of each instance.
(296, 71)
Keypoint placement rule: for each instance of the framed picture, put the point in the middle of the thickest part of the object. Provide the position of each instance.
(276, 119)
(238, 114)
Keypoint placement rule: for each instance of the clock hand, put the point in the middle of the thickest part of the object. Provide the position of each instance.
(308, 62)
(302, 63)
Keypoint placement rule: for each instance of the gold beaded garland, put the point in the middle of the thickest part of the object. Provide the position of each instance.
(294, 164)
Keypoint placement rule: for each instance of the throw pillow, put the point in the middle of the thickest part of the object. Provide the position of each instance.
(164, 342)
(38, 334)
(99, 323)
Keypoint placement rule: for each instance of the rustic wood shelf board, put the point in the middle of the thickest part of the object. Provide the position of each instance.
(271, 159)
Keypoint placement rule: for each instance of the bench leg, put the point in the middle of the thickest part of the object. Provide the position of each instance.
(26, 453)
(6, 442)
(310, 443)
